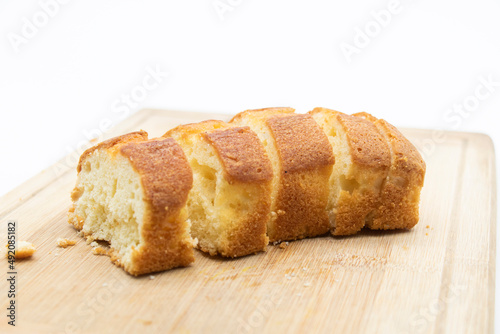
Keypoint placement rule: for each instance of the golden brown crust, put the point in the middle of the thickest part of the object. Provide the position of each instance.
(241, 154)
(273, 110)
(112, 142)
(407, 157)
(371, 155)
(306, 161)
(371, 159)
(351, 211)
(301, 203)
(238, 148)
(264, 112)
(183, 131)
(165, 173)
(398, 206)
(366, 116)
(367, 146)
(301, 143)
(244, 161)
(166, 179)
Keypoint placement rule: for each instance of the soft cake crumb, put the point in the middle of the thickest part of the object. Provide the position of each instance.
(63, 243)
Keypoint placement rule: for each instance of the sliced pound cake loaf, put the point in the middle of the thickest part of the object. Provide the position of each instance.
(398, 206)
(362, 161)
(230, 202)
(131, 192)
(302, 161)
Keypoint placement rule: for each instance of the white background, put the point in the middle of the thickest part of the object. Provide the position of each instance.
(59, 80)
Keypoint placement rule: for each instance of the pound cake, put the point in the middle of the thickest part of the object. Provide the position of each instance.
(132, 192)
(362, 161)
(229, 205)
(230, 188)
(302, 161)
(398, 206)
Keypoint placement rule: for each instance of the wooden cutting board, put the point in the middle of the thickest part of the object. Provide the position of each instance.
(436, 278)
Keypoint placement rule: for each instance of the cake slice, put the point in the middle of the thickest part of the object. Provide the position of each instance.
(229, 204)
(302, 161)
(362, 163)
(131, 192)
(398, 206)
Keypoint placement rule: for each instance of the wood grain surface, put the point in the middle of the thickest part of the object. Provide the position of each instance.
(435, 278)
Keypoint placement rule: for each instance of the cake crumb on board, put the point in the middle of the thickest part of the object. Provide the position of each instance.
(63, 243)
(99, 251)
(283, 244)
(23, 250)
